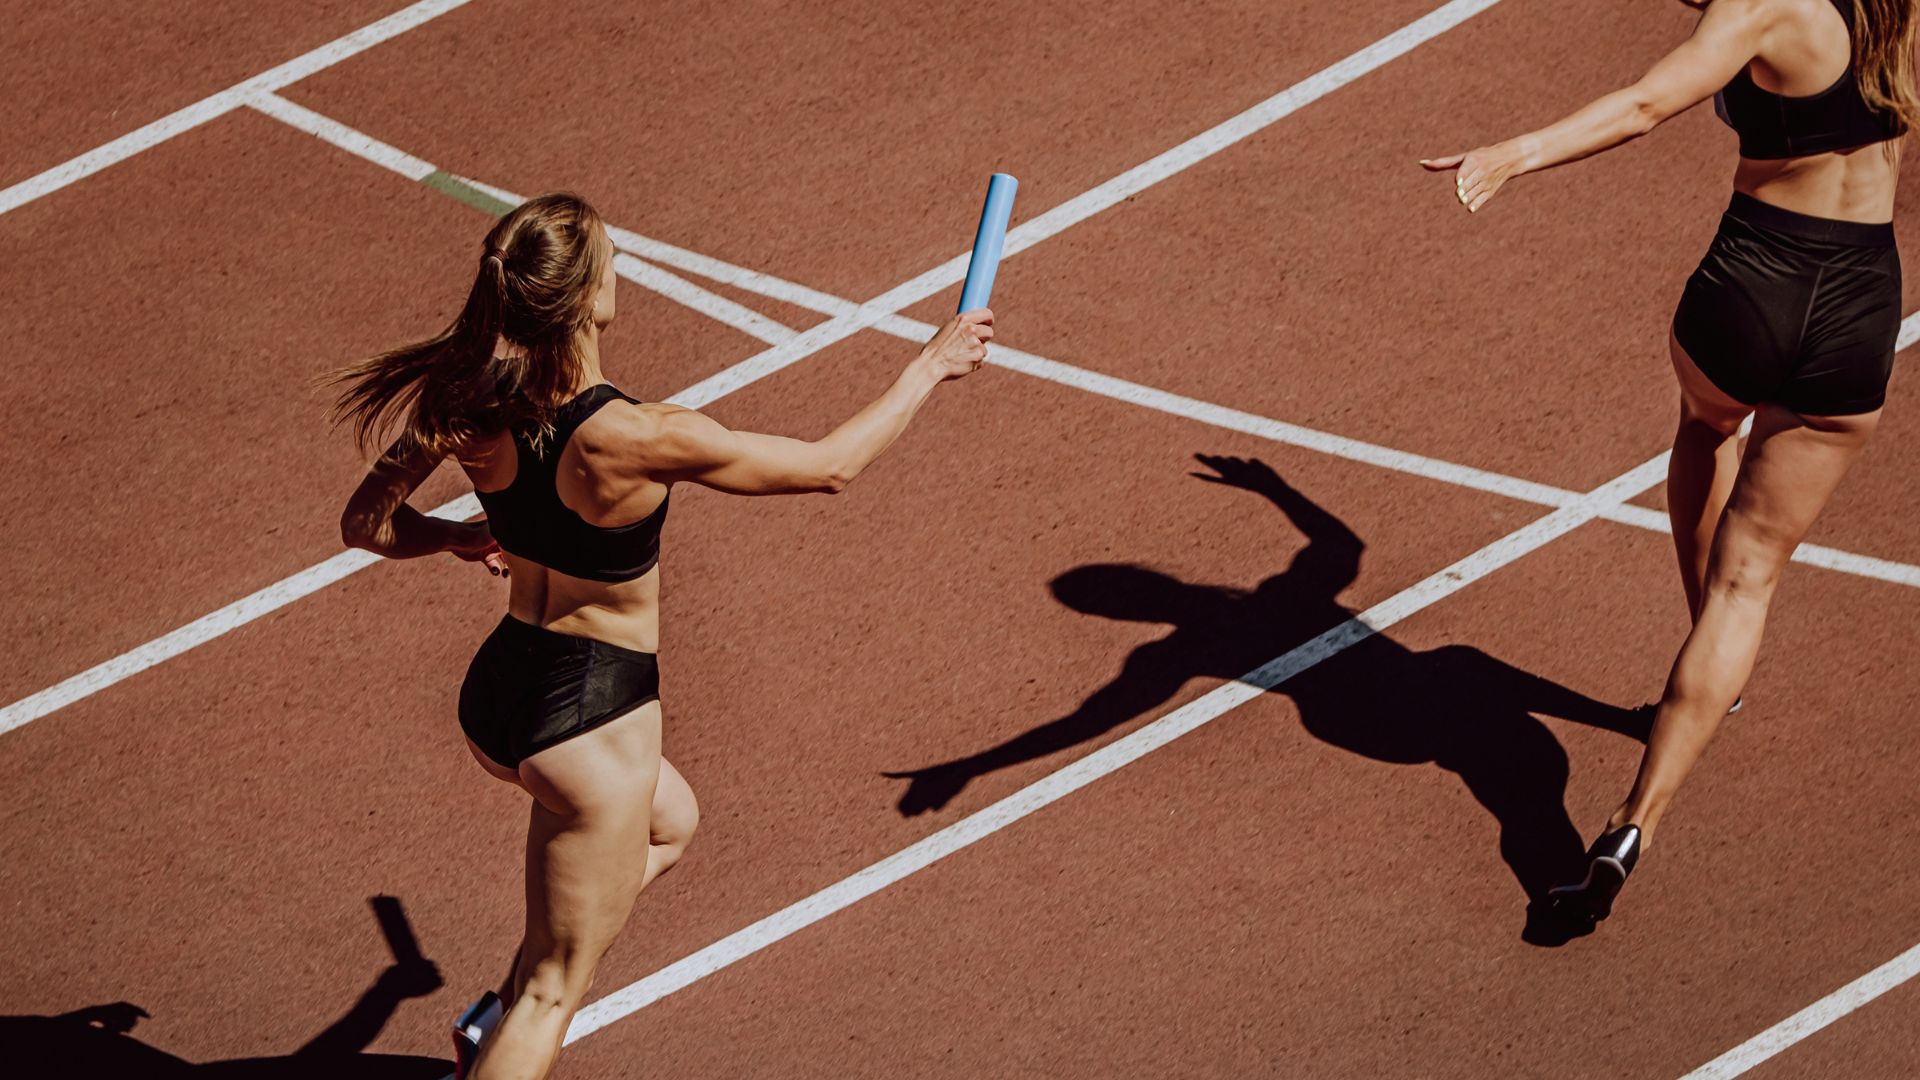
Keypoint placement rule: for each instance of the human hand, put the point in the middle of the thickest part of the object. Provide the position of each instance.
(960, 347)
(1481, 172)
(473, 542)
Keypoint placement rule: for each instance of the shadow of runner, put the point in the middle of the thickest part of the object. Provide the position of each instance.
(97, 1041)
(1455, 706)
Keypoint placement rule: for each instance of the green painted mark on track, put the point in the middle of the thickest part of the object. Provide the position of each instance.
(448, 184)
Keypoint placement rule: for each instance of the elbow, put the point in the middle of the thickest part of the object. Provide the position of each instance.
(834, 481)
(833, 470)
(356, 531)
(1643, 115)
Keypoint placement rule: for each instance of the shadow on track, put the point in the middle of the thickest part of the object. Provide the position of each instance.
(1455, 706)
(97, 1041)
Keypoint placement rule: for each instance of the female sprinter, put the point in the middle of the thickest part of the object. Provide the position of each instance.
(1791, 318)
(562, 699)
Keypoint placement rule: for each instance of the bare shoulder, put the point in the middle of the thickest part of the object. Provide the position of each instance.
(645, 436)
(1766, 14)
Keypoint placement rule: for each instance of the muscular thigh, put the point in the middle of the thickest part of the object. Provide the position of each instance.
(588, 837)
(606, 772)
(1792, 465)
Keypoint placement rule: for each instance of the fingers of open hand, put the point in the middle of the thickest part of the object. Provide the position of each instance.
(1475, 189)
(1442, 164)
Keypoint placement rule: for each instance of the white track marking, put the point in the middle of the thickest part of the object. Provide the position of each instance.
(1794, 1028)
(1909, 333)
(204, 629)
(1106, 194)
(771, 332)
(1148, 397)
(708, 303)
(1115, 755)
(326, 129)
(207, 108)
(754, 368)
(1218, 138)
(1577, 508)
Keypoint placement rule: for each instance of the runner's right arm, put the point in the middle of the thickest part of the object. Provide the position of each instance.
(673, 444)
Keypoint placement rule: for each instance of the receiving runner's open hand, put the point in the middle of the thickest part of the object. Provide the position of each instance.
(1481, 173)
(960, 347)
(473, 542)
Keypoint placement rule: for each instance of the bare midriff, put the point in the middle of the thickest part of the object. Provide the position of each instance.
(1843, 185)
(623, 613)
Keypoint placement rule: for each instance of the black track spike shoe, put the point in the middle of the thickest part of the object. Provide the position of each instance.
(472, 1029)
(1609, 861)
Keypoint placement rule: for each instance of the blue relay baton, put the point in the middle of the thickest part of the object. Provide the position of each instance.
(988, 242)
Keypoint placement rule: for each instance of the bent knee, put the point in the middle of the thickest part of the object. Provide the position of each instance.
(558, 984)
(674, 822)
(1743, 581)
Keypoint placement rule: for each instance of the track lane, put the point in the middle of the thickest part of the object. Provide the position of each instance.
(928, 628)
(97, 70)
(891, 121)
(1320, 276)
(1300, 890)
(174, 411)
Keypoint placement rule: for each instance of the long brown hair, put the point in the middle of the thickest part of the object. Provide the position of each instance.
(540, 268)
(1883, 32)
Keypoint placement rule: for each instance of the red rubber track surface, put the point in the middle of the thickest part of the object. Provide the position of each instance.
(77, 73)
(1330, 880)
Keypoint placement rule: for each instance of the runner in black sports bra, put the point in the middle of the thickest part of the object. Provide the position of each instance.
(560, 700)
(1797, 310)
(528, 687)
(1789, 323)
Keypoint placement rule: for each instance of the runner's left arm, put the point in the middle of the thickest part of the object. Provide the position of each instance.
(378, 519)
(1729, 36)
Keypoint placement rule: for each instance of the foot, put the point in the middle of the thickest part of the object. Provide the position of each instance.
(930, 788)
(472, 1029)
(1609, 861)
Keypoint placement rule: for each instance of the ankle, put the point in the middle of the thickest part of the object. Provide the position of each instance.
(1641, 817)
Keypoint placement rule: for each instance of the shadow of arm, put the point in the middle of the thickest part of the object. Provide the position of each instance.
(1537, 694)
(356, 1030)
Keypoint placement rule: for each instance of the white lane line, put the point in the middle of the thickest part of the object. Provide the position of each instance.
(1221, 136)
(1466, 476)
(1794, 1028)
(1083, 206)
(330, 130)
(1106, 194)
(203, 629)
(1115, 755)
(1221, 416)
(708, 303)
(218, 104)
(754, 368)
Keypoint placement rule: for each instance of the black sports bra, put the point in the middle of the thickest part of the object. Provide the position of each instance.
(1773, 126)
(528, 519)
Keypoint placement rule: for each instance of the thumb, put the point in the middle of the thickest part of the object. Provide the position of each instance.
(1442, 164)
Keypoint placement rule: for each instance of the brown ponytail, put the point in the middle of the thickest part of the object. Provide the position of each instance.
(539, 271)
(1883, 32)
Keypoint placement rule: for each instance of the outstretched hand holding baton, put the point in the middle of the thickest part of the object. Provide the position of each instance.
(959, 347)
